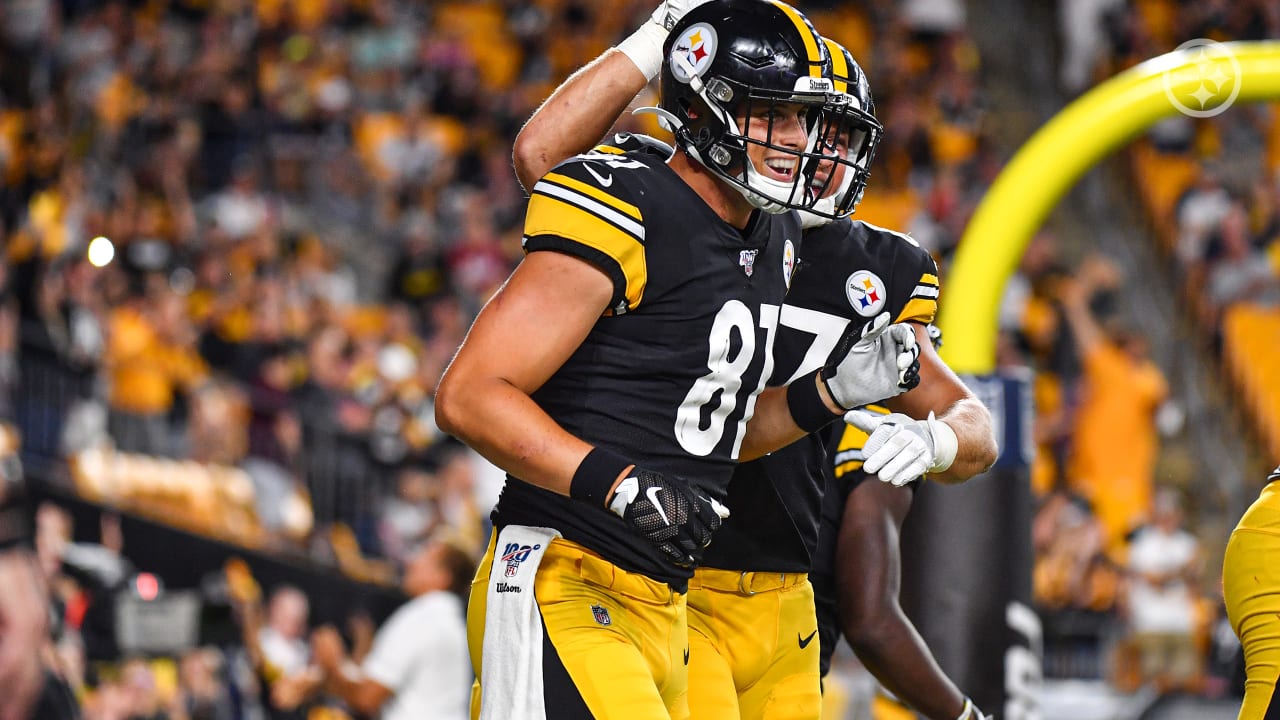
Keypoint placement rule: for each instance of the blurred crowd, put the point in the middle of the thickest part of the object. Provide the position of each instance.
(1123, 573)
(251, 233)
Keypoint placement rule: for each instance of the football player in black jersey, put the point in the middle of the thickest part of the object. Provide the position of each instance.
(751, 608)
(615, 373)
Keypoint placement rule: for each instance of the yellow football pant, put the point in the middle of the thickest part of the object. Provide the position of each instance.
(1251, 585)
(753, 646)
(614, 642)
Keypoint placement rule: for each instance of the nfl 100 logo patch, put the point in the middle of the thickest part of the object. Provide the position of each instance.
(601, 614)
(514, 554)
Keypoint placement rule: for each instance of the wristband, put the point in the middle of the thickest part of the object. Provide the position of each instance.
(596, 474)
(968, 712)
(945, 444)
(644, 48)
(808, 410)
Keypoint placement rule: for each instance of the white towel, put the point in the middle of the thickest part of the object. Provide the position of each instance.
(511, 673)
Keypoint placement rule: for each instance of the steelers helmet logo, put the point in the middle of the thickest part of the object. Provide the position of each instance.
(693, 51)
(788, 262)
(1207, 82)
(866, 293)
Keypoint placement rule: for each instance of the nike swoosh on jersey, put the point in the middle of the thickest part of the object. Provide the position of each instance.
(604, 180)
(804, 641)
(652, 494)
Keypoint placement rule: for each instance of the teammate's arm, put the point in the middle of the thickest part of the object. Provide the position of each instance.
(510, 351)
(939, 427)
(867, 585)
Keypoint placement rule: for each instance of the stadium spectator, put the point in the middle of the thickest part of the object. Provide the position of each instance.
(418, 666)
(1160, 600)
(1114, 439)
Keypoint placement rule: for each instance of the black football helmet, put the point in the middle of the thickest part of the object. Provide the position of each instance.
(847, 138)
(727, 64)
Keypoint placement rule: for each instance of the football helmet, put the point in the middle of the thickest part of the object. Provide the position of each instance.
(848, 134)
(731, 63)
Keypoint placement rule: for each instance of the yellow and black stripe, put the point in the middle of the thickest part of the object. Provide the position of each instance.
(815, 51)
(840, 64)
(574, 216)
(922, 307)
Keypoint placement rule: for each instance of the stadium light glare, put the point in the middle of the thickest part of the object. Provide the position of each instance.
(101, 251)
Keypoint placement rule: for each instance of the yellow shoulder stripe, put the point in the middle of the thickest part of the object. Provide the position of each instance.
(921, 310)
(552, 216)
(929, 279)
(593, 192)
(608, 149)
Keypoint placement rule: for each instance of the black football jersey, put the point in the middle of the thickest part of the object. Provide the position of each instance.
(850, 272)
(668, 377)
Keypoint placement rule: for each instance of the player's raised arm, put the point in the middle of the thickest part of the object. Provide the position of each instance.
(583, 108)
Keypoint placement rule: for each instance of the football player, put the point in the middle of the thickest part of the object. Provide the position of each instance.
(614, 374)
(857, 576)
(1250, 586)
(753, 583)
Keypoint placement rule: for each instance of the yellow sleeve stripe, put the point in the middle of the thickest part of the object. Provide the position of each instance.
(927, 279)
(582, 188)
(608, 149)
(553, 216)
(807, 32)
(846, 468)
(921, 310)
(839, 65)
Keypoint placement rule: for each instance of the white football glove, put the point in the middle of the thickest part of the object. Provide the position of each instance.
(900, 449)
(875, 363)
(669, 13)
(971, 712)
(644, 46)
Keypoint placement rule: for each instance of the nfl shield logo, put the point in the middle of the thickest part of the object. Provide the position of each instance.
(747, 259)
(601, 615)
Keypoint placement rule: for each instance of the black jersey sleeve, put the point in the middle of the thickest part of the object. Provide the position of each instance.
(913, 266)
(584, 208)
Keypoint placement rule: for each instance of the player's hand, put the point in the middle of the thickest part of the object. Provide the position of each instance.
(873, 363)
(670, 11)
(669, 513)
(900, 449)
(971, 712)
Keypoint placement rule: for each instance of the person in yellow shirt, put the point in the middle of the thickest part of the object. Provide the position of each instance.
(150, 354)
(1114, 438)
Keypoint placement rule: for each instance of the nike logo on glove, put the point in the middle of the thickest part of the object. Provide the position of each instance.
(804, 641)
(652, 494)
(686, 656)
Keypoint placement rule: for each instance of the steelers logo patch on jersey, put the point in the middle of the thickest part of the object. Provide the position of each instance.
(693, 51)
(788, 261)
(866, 293)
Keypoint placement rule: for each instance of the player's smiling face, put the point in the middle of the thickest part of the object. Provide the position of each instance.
(776, 129)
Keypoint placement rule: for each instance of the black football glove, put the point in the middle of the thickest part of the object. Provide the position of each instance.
(669, 513)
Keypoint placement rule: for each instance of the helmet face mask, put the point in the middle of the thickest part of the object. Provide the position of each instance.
(847, 141)
(743, 86)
